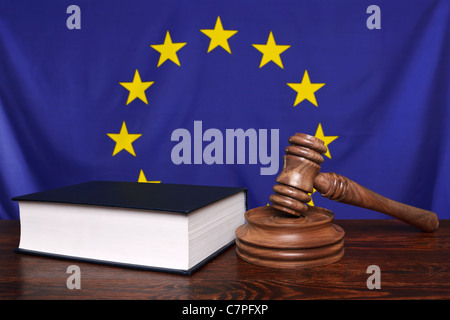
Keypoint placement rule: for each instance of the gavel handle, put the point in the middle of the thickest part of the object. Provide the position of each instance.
(342, 189)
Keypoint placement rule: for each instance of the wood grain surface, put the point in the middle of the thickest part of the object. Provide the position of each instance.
(414, 265)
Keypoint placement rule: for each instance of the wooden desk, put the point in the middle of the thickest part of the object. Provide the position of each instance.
(414, 265)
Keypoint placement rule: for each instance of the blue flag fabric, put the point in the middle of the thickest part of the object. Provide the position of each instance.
(208, 92)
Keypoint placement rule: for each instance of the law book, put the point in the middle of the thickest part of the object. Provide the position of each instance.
(156, 226)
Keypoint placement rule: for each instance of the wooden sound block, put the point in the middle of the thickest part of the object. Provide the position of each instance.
(273, 238)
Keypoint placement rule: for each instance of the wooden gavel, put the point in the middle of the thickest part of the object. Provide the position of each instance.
(300, 175)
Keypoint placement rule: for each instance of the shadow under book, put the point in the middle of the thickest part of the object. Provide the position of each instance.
(164, 227)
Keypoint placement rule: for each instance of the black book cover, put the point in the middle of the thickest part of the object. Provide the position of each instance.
(181, 198)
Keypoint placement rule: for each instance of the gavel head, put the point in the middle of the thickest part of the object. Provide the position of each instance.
(301, 165)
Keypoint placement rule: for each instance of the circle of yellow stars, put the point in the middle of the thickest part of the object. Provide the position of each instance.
(168, 50)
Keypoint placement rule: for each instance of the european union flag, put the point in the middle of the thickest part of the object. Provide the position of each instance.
(208, 92)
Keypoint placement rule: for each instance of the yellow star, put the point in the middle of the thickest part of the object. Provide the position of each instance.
(326, 139)
(143, 179)
(305, 90)
(219, 36)
(168, 50)
(311, 203)
(124, 140)
(137, 88)
(271, 51)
